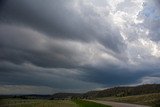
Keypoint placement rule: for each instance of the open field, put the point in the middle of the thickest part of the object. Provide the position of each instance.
(37, 103)
(48, 103)
(83, 103)
(147, 99)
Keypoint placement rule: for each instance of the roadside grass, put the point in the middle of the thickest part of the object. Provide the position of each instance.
(84, 103)
(147, 99)
(48, 103)
(36, 103)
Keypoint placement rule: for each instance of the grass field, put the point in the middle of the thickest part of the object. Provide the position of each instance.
(47, 103)
(147, 99)
(83, 103)
(36, 103)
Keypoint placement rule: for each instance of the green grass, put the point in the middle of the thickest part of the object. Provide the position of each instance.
(83, 103)
(147, 99)
(36, 103)
(48, 103)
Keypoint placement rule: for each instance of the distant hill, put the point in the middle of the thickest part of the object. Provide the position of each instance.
(116, 91)
(31, 96)
(66, 95)
(124, 91)
(153, 99)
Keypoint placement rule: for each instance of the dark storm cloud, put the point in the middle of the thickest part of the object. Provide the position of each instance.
(2, 2)
(53, 17)
(28, 74)
(60, 19)
(113, 75)
(70, 45)
(21, 45)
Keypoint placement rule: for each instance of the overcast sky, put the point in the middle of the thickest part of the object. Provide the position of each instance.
(49, 46)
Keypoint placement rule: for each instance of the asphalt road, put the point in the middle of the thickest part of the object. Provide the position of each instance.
(116, 104)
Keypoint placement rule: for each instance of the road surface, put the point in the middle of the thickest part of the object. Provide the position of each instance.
(116, 104)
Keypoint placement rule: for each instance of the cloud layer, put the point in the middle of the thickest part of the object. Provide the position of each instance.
(78, 45)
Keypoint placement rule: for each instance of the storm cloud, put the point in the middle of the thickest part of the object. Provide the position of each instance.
(78, 45)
